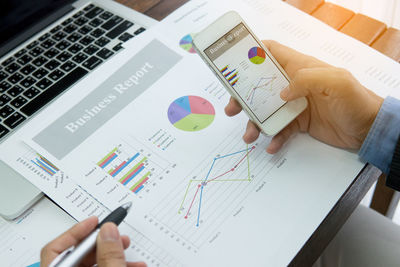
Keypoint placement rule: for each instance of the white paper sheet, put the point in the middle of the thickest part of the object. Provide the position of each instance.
(274, 203)
(23, 237)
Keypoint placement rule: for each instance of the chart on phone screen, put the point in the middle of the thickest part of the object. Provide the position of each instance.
(252, 74)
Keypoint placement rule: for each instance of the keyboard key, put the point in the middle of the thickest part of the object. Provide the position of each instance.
(63, 45)
(13, 67)
(56, 75)
(105, 53)
(44, 36)
(31, 92)
(6, 111)
(102, 41)
(51, 53)
(14, 120)
(40, 73)
(94, 12)
(36, 51)
(15, 78)
(85, 29)
(97, 33)
(106, 15)
(16, 90)
(59, 36)
(91, 49)
(24, 59)
(55, 29)
(119, 29)
(79, 58)
(117, 47)
(4, 86)
(36, 103)
(78, 14)
(111, 23)
(28, 69)
(92, 62)
(66, 22)
(20, 53)
(3, 75)
(125, 37)
(3, 131)
(81, 21)
(7, 61)
(48, 43)
(70, 28)
(67, 66)
(52, 64)
(64, 56)
(139, 31)
(27, 82)
(95, 22)
(75, 48)
(74, 37)
(18, 102)
(4, 99)
(32, 45)
(43, 83)
(86, 40)
(39, 61)
(89, 7)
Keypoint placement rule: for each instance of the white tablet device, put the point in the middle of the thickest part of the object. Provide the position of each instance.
(248, 71)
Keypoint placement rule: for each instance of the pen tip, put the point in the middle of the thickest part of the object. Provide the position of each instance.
(127, 205)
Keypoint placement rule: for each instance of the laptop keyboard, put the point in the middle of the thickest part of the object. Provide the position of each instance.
(49, 65)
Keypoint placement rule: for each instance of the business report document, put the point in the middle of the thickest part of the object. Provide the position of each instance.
(154, 132)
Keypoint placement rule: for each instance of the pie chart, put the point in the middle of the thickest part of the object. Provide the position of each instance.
(186, 43)
(256, 55)
(191, 113)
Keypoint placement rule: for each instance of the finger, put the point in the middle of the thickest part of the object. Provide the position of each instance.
(290, 59)
(126, 241)
(70, 238)
(251, 134)
(280, 139)
(323, 81)
(110, 250)
(136, 264)
(90, 259)
(233, 108)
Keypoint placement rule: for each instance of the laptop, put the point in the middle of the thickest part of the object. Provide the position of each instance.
(46, 47)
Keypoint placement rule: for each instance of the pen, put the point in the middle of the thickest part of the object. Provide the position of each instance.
(73, 255)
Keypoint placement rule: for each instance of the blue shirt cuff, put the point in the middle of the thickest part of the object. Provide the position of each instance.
(379, 146)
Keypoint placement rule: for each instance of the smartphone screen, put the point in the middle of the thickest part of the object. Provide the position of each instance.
(249, 71)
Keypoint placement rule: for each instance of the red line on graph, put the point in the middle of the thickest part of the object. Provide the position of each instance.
(198, 187)
(231, 170)
(234, 167)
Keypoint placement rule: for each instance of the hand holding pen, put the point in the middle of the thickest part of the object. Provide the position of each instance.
(109, 250)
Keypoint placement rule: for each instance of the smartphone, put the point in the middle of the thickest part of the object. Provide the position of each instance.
(248, 71)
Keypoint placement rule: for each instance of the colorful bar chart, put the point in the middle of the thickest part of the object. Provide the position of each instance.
(104, 162)
(230, 75)
(126, 169)
(45, 165)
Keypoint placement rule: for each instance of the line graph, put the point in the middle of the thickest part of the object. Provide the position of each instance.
(202, 183)
(264, 84)
(197, 206)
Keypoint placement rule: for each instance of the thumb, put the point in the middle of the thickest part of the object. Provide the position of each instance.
(110, 250)
(314, 81)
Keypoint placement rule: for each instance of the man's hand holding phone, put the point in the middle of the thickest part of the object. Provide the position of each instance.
(340, 110)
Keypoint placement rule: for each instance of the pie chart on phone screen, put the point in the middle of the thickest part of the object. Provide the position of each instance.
(256, 55)
(191, 113)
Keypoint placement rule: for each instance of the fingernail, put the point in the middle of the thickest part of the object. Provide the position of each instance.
(109, 231)
(285, 93)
